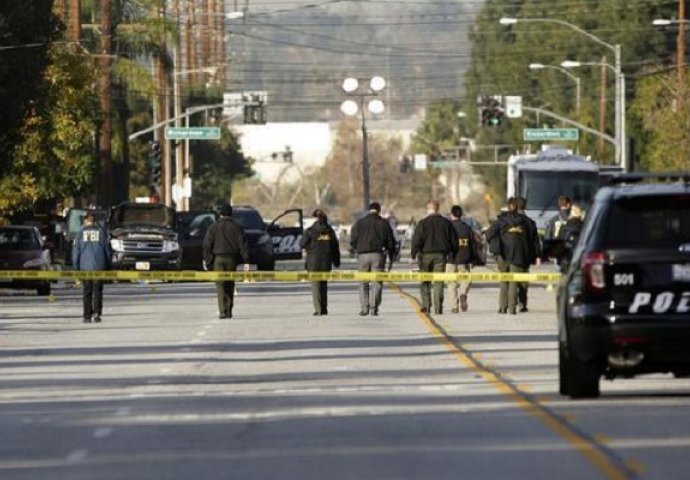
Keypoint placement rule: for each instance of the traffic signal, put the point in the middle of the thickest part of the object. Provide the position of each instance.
(254, 107)
(154, 160)
(492, 112)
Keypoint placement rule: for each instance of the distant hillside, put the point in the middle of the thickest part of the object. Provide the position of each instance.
(301, 55)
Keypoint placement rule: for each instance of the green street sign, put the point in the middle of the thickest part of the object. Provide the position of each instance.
(542, 134)
(192, 133)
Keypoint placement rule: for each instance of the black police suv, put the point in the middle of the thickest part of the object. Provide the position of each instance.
(624, 301)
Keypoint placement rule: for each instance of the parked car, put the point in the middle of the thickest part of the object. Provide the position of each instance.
(278, 240)
(143, 236)
(22, 248)
(624, 300)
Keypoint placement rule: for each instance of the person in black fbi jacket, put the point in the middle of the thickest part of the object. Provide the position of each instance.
(91, 252)
(224, 247)
(433, 242)
(323, 251)
(373, 239)
(461, 261)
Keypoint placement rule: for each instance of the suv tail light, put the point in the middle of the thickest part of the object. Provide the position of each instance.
(592, 265)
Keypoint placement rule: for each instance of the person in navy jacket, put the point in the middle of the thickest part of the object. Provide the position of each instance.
(91, 251)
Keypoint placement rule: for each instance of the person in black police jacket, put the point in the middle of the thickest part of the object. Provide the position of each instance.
(91, 251)
(372, 238)
(535, 244)
(224, 246)
(323, 251)
(517, 252)
(461, 261)
(433, 241)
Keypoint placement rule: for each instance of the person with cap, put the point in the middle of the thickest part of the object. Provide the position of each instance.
(461, 261)
(323, 251)
(372, 239)
(91, 251)
(224, 247)
(433, 242)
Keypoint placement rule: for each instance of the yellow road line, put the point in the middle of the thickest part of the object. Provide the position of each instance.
(596, 453)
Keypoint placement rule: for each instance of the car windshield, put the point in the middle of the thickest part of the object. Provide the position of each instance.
(542, 189)
(649, 222)
(154, 215)
(18, 239)
(249, 219)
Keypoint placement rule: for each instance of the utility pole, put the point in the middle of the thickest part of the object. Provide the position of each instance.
(177, 106)
(105, 138)
(161, 111)
(74, 20)
(680, 46)
(206, 19)
(602, 106)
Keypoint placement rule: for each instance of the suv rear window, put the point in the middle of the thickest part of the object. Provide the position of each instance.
(649, 221)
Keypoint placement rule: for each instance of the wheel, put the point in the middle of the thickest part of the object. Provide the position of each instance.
(43, 290)
(581, 378)
(562, 370)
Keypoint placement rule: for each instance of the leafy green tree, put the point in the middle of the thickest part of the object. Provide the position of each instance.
(55, 157)
(501, 56)
(663, 110)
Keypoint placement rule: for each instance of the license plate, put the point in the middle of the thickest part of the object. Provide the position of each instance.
(142, 266)
(681, 273)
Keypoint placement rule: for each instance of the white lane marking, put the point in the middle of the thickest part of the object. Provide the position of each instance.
(102, 432)
(165, 370)
(77, 455)
(202, 334)
(123, 412)
(195, 340)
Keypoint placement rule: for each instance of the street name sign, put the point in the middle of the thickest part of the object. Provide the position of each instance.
(541, 134)
(192, 133)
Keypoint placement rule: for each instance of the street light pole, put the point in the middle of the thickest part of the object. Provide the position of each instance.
(366, 185)
(620, 148)
(349, 107)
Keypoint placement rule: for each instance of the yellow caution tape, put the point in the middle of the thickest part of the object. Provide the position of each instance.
(336, 276)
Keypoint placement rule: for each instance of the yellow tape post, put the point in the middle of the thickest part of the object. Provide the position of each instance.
(276, 276)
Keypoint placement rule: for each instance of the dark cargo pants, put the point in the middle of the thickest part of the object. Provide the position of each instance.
(93, 298)
(432, 262)
(225, 290)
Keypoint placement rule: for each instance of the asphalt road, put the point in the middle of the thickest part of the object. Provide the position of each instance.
(163, 389)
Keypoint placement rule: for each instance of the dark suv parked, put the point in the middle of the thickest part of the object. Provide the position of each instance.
(624, 302)
(143, 236)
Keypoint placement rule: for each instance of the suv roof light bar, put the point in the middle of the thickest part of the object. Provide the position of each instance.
(627, 178)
